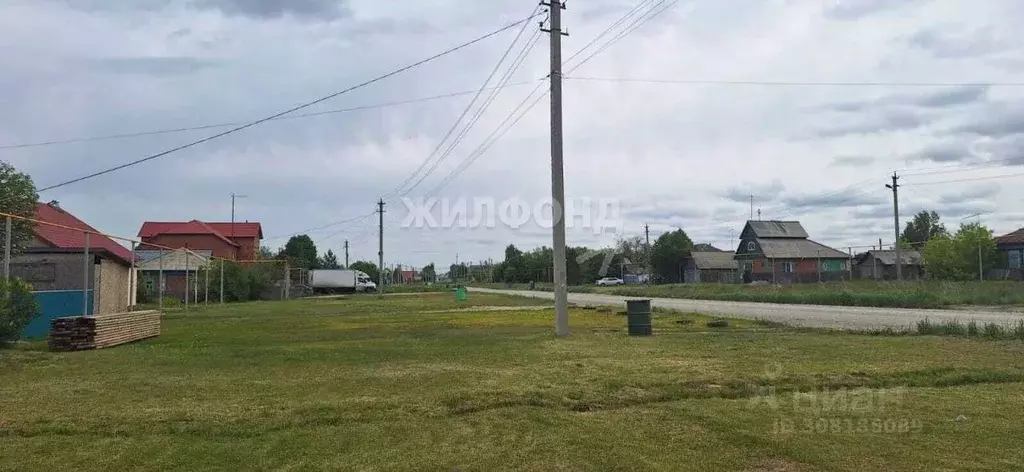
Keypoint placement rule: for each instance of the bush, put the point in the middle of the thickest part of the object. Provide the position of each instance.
(17, 308)
(171, 302)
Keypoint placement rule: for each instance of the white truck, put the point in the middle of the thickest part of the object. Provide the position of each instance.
(340, 281)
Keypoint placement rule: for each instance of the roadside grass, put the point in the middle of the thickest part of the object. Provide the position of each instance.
(408, 383)
(909, 294)
(858, 293)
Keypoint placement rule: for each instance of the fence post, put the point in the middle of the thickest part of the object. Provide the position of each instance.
(7, 249)
(187, 285)
(287, 281)
(222, 281)
(85, 278)
(132, 288)
(206, 294)
(160, 282)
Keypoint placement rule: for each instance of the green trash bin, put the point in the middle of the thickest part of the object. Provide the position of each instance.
(460, 294)
(639, 317)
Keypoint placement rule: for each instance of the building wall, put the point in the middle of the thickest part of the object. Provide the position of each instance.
(248, 248)
(1013, 255)
(804, 270)
(57, 271)
(115, 294)
(195, 242)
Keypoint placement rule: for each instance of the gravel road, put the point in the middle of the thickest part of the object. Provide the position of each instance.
(816, 316)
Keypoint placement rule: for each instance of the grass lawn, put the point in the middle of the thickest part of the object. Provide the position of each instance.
(857, 293)
(428, 383)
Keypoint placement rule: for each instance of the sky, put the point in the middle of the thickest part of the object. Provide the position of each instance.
(808, 106)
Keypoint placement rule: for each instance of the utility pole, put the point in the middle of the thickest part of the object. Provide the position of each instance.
(233, 197)
(751, 207)
(896, 222)
(346, 254)
(647, 252)
(557, 171)
(380, 250)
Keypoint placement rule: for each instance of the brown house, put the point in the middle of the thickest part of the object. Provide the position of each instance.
(780, 252)
(236, 241)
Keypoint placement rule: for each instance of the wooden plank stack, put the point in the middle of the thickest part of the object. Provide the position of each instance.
(94, 332)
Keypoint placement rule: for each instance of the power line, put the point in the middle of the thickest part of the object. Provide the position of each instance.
(226, 124)
(795, 83)
(318, 228)
(293, 109)
(955, 168)
(636, 24)
(465, 112)
(499, 131)
(976, 179)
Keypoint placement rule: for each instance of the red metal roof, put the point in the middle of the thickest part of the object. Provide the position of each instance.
(65, 238)
(1016, 237)
(222, 230)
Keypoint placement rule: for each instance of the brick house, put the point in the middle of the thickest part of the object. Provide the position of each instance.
(780, 252)
(54, 264)
(236, 241)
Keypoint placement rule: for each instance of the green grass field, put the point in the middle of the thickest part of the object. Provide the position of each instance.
(858, 293)
(424, 382)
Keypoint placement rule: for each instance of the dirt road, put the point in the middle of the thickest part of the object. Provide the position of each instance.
(816, 316)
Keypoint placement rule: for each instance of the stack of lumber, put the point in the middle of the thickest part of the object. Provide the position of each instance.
(93, 332)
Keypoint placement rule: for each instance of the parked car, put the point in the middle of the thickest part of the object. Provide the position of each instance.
(610, 281)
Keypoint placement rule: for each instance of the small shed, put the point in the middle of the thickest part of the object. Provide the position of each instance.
(711, 267)
(881, 264)
(180, 268)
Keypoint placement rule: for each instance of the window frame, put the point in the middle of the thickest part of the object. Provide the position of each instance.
(751, 246)
(791, 266)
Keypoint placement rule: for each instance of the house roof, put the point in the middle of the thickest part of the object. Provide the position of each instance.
(153, 228)
(1016, 237)
(177, 260)
(705, 247)
(713, 260)
(775, 229)
(785, 248)
(888, 257)
(241, 230)
(62, 237)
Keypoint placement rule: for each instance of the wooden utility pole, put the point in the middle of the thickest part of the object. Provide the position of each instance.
(557, 171)
(896, 222)
(346, 254)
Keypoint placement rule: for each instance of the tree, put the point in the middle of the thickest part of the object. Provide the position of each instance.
(429, 273)
(368, 268)
(329, 261)
(18, 197)
(958, 257)
(668, 254)
(458, 272)
(633, 250)
(922, 228)
(267, 253)
(17, 308)
(301, 252)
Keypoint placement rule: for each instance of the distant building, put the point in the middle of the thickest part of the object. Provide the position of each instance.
(1012, 246)
(780, 252)
(174, 265)
(235, 241)
(881, 264)
(718, 267)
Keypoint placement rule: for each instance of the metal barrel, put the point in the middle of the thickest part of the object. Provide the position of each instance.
(638, 313)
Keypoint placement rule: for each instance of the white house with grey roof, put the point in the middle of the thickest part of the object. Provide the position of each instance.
(781, 252)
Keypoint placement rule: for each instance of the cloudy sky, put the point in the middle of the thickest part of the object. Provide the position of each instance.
(809, 105)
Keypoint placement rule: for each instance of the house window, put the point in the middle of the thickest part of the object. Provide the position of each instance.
(1015, 259)
(150, 284)
(751, 247)
(787, 267)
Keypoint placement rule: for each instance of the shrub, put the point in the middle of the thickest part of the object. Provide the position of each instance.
(171, 302)
(718, 324)
(17, 308)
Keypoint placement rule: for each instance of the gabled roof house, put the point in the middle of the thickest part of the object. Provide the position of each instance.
(237, 241)
(781, 251)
